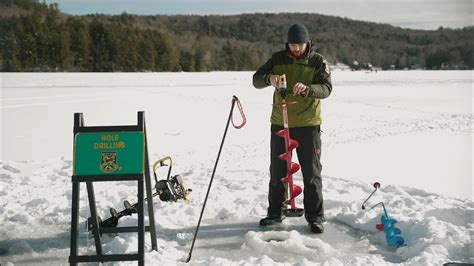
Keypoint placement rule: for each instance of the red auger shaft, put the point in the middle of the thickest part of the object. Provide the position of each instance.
(291, 167)
(290, 144)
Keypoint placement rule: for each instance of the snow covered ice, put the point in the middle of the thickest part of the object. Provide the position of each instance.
(410, 130)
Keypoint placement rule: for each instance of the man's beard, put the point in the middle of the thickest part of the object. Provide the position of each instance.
(300, 55)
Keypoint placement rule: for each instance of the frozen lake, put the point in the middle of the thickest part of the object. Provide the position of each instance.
(409, 128)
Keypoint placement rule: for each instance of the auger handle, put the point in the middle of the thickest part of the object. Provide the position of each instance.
(376, 186)
(160, 163)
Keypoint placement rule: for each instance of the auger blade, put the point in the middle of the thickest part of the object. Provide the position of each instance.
(285, 156)
(294, 168)
(293, 144)
(296, 191)
(281, 133)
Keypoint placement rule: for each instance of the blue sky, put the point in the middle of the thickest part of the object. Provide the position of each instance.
(415, 14)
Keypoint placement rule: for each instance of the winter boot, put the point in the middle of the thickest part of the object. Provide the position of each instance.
(271, 220)
(316, 225)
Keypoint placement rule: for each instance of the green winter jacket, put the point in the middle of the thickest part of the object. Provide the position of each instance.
(312, 71)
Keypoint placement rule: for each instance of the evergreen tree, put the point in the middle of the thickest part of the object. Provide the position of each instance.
(437, 59)
(65, 55)
(146, 52)
(100, 54)
(167, 53)
(80, 43)
(11, 52)
(202, 55)
(187, 62)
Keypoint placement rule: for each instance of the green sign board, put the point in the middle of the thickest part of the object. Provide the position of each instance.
(109, 153)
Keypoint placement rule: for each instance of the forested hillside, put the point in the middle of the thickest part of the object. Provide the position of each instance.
(39, 37)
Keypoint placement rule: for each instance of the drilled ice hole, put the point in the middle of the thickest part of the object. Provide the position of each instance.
(275, 236)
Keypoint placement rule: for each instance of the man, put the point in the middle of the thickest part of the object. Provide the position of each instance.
(309, 81)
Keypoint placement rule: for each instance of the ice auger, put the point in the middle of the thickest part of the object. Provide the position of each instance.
(387, 225)
(170, 189)
(292, 190)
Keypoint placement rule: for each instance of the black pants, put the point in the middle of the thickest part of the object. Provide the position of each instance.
(309, 155)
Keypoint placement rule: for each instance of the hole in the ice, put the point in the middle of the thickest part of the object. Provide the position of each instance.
(3, 251)
(275, 238)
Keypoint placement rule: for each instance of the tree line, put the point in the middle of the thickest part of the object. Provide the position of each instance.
(45, 39)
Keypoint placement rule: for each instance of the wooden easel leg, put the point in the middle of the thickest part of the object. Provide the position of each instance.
(74, 223)
(141, 224)
(95, 221)
(149, 196)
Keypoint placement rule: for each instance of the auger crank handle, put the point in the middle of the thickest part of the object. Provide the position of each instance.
(376, 186)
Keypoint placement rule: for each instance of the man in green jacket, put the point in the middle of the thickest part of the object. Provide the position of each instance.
(308, 81)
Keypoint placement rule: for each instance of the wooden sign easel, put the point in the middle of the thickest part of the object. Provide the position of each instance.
(107, 154)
